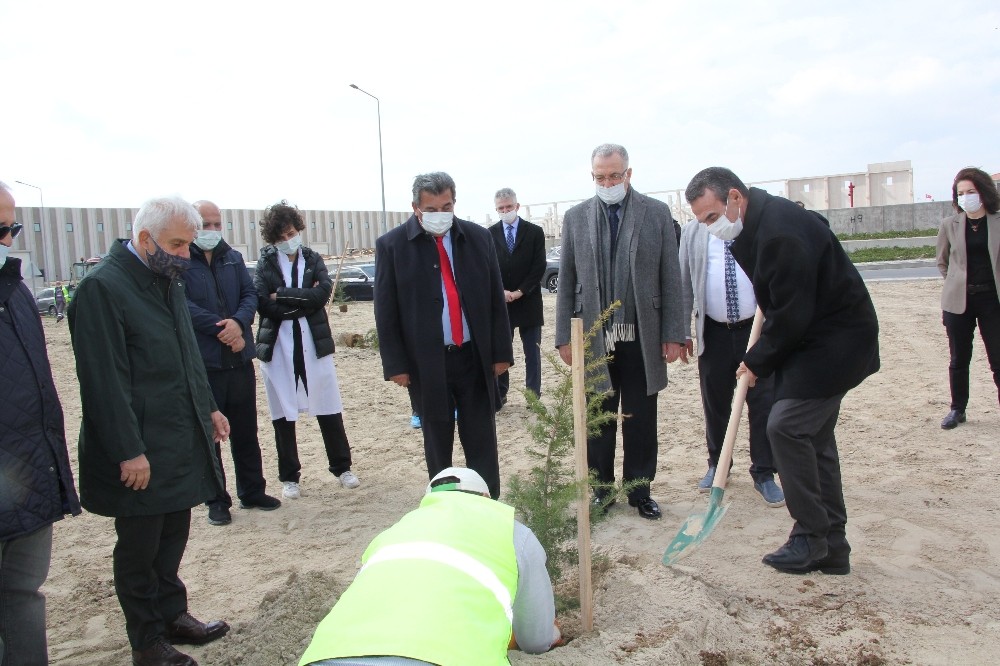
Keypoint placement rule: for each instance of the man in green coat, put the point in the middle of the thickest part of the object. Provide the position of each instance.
(146, 443)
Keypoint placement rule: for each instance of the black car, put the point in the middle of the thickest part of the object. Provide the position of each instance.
(550, 278)
(357, 285)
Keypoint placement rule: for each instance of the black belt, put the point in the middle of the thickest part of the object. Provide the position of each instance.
(980, 288)
(743, 323)
(452, 349)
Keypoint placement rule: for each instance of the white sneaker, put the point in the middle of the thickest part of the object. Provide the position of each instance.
(349, 479)
(290, 490)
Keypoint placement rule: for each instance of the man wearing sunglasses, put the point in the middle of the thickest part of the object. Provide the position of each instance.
(37, 487)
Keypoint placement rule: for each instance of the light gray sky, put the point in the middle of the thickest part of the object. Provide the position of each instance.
(106, 104)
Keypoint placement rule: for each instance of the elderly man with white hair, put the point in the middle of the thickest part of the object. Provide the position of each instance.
(146, 447)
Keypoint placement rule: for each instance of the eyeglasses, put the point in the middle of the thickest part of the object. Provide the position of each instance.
(611, 179)
(13, 230)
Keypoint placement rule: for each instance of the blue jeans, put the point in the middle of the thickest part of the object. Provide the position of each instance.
(24, 566)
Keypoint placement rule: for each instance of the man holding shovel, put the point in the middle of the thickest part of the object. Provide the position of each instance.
(819, 340)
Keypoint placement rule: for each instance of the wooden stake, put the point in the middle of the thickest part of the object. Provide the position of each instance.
(583, 503)
(336, 279)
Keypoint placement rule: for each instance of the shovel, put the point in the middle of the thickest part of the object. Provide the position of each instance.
(698, 526)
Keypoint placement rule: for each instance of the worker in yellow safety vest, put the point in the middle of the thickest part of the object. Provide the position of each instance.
(455, 582)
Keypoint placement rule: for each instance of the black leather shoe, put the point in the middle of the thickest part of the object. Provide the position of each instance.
(837, 561)
(262, 502)
(601, 501)
(218, 514)
(647, 507)
(953, 419)
(189, 631)
(161, 653)
(797, 555)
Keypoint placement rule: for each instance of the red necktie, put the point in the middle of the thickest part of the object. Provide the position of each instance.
(451, 290)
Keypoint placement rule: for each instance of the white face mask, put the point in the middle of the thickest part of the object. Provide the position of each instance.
(3, 254)
(970, 202)
(725, 229)
(612, 195)
(508, 217)
(436, 224)
(290, 246)
(207, 240)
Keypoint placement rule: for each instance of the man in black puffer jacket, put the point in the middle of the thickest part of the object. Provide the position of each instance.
(36, 483)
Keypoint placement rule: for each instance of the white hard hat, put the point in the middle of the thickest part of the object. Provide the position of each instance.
(458, 478)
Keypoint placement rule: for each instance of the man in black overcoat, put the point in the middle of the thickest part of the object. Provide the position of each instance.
(819, 340)
(442, 325)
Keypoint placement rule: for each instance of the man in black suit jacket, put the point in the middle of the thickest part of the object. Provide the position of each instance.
(520, 249)
(444, 332)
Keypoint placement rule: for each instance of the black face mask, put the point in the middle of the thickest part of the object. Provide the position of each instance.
(164, 264)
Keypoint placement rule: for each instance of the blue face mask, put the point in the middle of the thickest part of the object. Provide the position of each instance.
(166, 265)
(3, 254)
(290, 246)
(207, 240)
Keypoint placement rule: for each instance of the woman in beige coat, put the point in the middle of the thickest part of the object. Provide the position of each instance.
(968, 247)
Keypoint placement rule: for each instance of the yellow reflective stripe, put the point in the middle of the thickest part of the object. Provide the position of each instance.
(436, 552)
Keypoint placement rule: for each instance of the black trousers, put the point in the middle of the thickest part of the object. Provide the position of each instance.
(146, 559)
(531, 340)
(338, 449)
(414, 399)
(235, 393)
(982, 308)
(628, 381)
(805, 449)
(724, 348)
(468, 393)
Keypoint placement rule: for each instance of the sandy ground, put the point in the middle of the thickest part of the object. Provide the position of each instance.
(923, 523)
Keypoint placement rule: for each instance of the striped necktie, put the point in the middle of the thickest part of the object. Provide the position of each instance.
(732, 291)
(510, 238)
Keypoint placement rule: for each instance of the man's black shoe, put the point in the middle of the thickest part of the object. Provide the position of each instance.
(647, 507)
(953, 419)
(161, 653)
(797, 555)
(186, 629)
(837, 561)
(603, 500)
(218, 514)
(262, 502)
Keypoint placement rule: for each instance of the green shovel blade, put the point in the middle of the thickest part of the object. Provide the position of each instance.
(696, 528)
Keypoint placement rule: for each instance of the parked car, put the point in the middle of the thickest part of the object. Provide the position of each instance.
(46, 301)
(550, 278)
(369, 269)
(553, 252)
(358, 286)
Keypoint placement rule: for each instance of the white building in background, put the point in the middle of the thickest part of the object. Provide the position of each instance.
(56, 238)
(882, 184)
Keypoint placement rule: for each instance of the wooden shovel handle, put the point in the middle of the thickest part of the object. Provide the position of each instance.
(739, 398)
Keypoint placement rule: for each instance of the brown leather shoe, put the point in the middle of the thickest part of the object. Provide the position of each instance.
(161, 653)
(189, 631)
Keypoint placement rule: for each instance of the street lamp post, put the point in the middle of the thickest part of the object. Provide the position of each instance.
(41, 232)
(381, 167)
